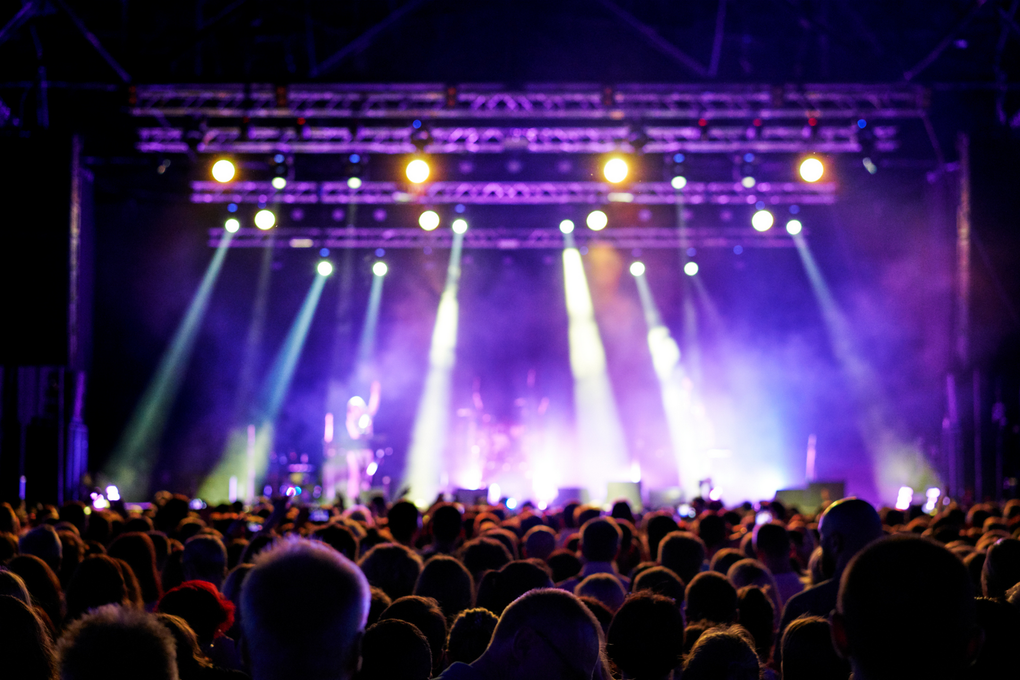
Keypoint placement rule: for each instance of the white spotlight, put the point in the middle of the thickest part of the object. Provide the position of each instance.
(691, 268)
(417, 171)
(678, 182)
(279, 183)
(428, 220)
(232, 225)
(597, 220)
(265, 219)
(380, 268)
(762, 220)
(223, 170)
(748, 182)
(615, 170)
(325, 268)
(811, 169)
(637, 268)
(567, 226)
(354, 182)
(794, 227)
(460, 226)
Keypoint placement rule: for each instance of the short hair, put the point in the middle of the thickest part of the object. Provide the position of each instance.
(204, 559)
(724, 559)
(402, 520)
(683, 552)
(340, 538)
(394, 649)
(723, 653)
(906, 608)
(446, 522)
(303, 607)
(117, 643)
(605, 588)
(711, 597)
(749, 572)
(424, 614)
(808, 653)
(661, 581)
(556, 614)
(600, 539)
(498, 589)
(645, 638)
(470, 635)
(564, 565)
(540, 542)
(97, 581)
(449, 582)
(772, 539)
(712, 529)
(757, 614)
(380, 601)
(657, 527)
(26, 649)
(44, 543)
(482, 554)
(393, 567)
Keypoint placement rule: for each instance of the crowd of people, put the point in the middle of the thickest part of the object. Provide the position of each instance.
(387, 592)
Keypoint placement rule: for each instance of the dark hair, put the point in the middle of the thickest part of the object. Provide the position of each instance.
(393, 567)
(97, 581)
(470, 635)
(395, 649)
(403, 521)
(712, 529)
(684, 553)
(657, 527)
(449, 582)
(42, 585)
(446, 523)
(340, 538)
(661, 581)
(25, 646)
(191, 660)
(564, 565)
(1001, 569)
(424, 614)
(723, 653)
(600, 539)
(380, 601)
(724, 559)
(645, 638)
(808, 653)
(601, 612)
(499, 588)
(137, 550)
(482, 554)
(756, 613)
(711, 597)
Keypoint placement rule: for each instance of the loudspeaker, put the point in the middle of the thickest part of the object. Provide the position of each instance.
(628, 491)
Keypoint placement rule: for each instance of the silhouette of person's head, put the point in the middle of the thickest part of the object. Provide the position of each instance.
(470, 635)
(499, 588)
(97, 581)
(446, 524)
(395, 649)
(684, 553)
(44, 543)
(26, 648)
(846, 527)
(772, 546)
(12, 585)
(304, 607)
(605, 588)
(117, 643)
(712, 530)
(393, 567)
(539, 542)
(483, 554)
(661, 581)
(564, 564)
(657, 526)
(137, 550)
(645, 639)
(808, 654)
(722, 654)
(425, 615)
(906, 609)
(1001, 568)
(205, 559)
(403, 521)
(711, 597)
(756, 613)
(42, 585)
(724, 559)
(600, 539)
(449, 582)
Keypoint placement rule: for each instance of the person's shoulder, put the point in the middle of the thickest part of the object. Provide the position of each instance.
(460, 671)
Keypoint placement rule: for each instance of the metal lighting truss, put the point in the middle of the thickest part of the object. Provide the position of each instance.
(501, 238)
(516, 193)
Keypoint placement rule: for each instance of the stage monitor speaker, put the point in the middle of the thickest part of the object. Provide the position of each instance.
(566, 494)
(628, 491)
(469, 497)
(669, 497)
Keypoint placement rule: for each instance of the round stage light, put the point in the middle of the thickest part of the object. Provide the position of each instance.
(762, 220)
(678, 182)
(354, 182)
(380, 268)
(691, 268)
(794, 227)
(223, 170)
(637, 268)
(279, 183)
(265, 219)
(460, 226)
(615, 170)
(428, 220)
(567, 226)
(748, 182)
(811, 169)
(417, 171)
(597, 220)
(325, 268)
(232, 225)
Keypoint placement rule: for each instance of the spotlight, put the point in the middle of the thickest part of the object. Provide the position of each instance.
(265, 219)
(460, 226)
(567, 226)
(637, 268)
(354, 182)
(678, 182)
(794, 227)
(325, 268)
(748, 182)
(380, 268)
(417, 171)
(691, 268)
(279, 183)
(615, 170)
(597, 220)
(811, 169)
(232, 225)
(762, 220)
(428, 220)
(223, 170)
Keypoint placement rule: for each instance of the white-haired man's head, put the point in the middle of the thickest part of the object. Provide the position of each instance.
(303, 613)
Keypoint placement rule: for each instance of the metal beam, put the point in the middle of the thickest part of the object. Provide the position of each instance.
(656, 40)
(515, 193)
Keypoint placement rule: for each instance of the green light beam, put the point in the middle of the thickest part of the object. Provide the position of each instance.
(131, 462)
